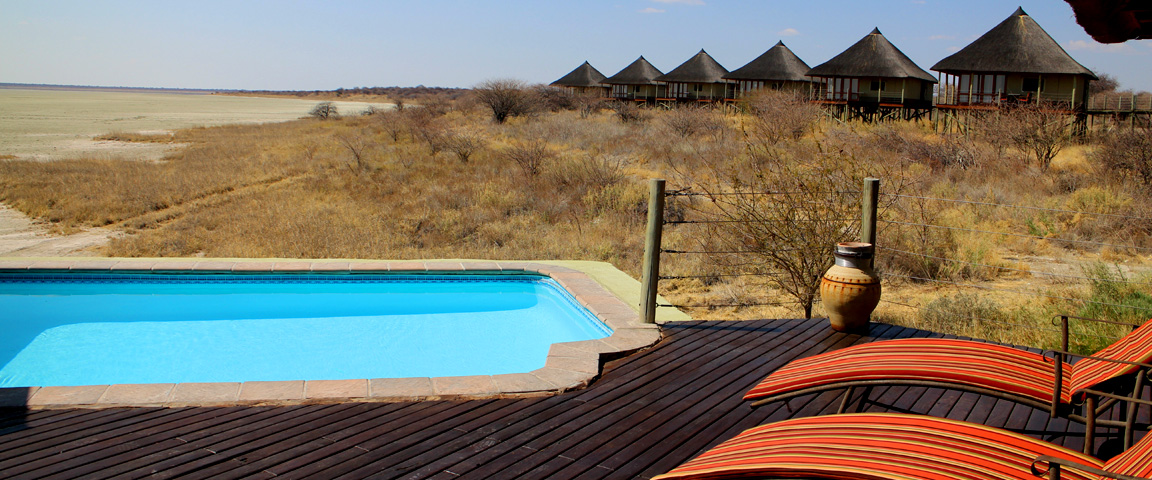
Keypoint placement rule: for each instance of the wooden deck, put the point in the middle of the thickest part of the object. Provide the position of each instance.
(648, 413)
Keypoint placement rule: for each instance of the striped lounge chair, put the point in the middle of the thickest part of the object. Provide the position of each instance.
(899, 446)
(1004, 372)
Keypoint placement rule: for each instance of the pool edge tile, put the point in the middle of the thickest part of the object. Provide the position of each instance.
(564, 380)
(261, 391)
(333, 389)
(517, 383)
(254, 267)
(400, 388)
(207, 393)
(137, 394)
(481, 385)
(67, 396)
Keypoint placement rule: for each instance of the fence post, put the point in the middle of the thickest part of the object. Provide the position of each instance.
(868, 201)
(651, 273)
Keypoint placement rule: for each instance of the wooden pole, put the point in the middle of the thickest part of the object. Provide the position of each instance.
(868, 201)
(651, 273)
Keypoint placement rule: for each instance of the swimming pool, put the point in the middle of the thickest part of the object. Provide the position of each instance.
(115, 328)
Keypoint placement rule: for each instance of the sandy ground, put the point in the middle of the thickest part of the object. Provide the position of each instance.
(22, 237)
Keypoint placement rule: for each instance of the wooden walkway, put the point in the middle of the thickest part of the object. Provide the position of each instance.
(648, 413)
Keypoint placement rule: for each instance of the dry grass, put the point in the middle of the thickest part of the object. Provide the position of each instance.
(448, 182)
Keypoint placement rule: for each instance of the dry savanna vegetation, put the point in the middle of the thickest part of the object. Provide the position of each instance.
(547, 174)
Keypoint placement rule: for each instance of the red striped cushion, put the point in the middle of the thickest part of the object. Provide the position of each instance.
(1134, 347)
(960, 362)
(1136, 461)
(876, 446)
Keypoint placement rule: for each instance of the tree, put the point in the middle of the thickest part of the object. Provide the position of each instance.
(506, 98)
(1128, 153)
(324, 111)
(1038, 130)
(1104, 84)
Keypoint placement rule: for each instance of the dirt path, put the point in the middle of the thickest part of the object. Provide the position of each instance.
(22, 237)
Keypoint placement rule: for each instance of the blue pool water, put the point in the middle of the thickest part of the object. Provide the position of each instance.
(77, 329)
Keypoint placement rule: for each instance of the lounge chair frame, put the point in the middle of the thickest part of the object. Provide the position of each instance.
(1095, 402)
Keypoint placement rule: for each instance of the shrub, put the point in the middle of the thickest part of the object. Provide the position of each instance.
(505, 98)
(777, 115)
(692, 121)
(324, 111)
(629, 112)
(530, 156)
(1128, 153)
(464, 143)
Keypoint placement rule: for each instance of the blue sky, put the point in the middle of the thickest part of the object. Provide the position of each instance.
(306, 45)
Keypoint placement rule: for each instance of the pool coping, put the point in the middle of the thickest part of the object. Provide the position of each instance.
(569, 365)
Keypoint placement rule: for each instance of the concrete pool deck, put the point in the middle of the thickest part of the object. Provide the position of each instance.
(608, 293)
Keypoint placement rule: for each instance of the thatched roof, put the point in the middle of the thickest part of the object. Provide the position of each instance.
(1114, 21)
(872, 56)
(701, 68)
(583, 76)
(778, 64)
(639, 72)
(1016, 45)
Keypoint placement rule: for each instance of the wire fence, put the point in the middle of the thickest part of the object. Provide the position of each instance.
(924, 259)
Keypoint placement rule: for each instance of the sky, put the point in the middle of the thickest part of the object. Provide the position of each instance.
(324, 45)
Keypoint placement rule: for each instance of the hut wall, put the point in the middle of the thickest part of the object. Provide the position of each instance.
(699, 91)
(745, 87)
(638, 92)
(1052, 88)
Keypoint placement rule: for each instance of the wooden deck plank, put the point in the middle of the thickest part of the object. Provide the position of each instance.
(541, 435)
(647, 413)
(706, 399)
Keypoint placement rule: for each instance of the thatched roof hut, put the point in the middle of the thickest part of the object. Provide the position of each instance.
(637, 81)
(1017, 45)
(1016, 60)
(776, 68)
(699, 78)
(583, 76)
(872, 57)
(1114, 21)
(639, 72)
(873, 71)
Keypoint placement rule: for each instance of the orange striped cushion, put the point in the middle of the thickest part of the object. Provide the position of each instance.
(1134, 347)
(1136, 461)
(876, 446)
(936, 360)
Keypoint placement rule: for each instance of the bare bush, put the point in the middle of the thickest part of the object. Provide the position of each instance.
(358, 146)
(688, 122)
(324, 111)
(1040, 131)
(781, 211)
(530, 156)
(629, 112)
(1129, 154)
(505, 98)
(427, 127)
(464, 143)
(777, 115)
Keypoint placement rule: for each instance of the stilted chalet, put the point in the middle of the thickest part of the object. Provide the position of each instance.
(873, 78)
(1017, 61)
(777, 69)
(637, 82)
(584, 79)
(701, 78)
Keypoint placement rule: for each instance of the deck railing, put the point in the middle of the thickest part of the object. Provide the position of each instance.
(1121, 102)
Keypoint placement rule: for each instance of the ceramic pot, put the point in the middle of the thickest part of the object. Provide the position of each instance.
(850, 289)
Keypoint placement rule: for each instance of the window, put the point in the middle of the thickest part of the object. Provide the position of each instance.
(877, 86)
(1031, 85)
